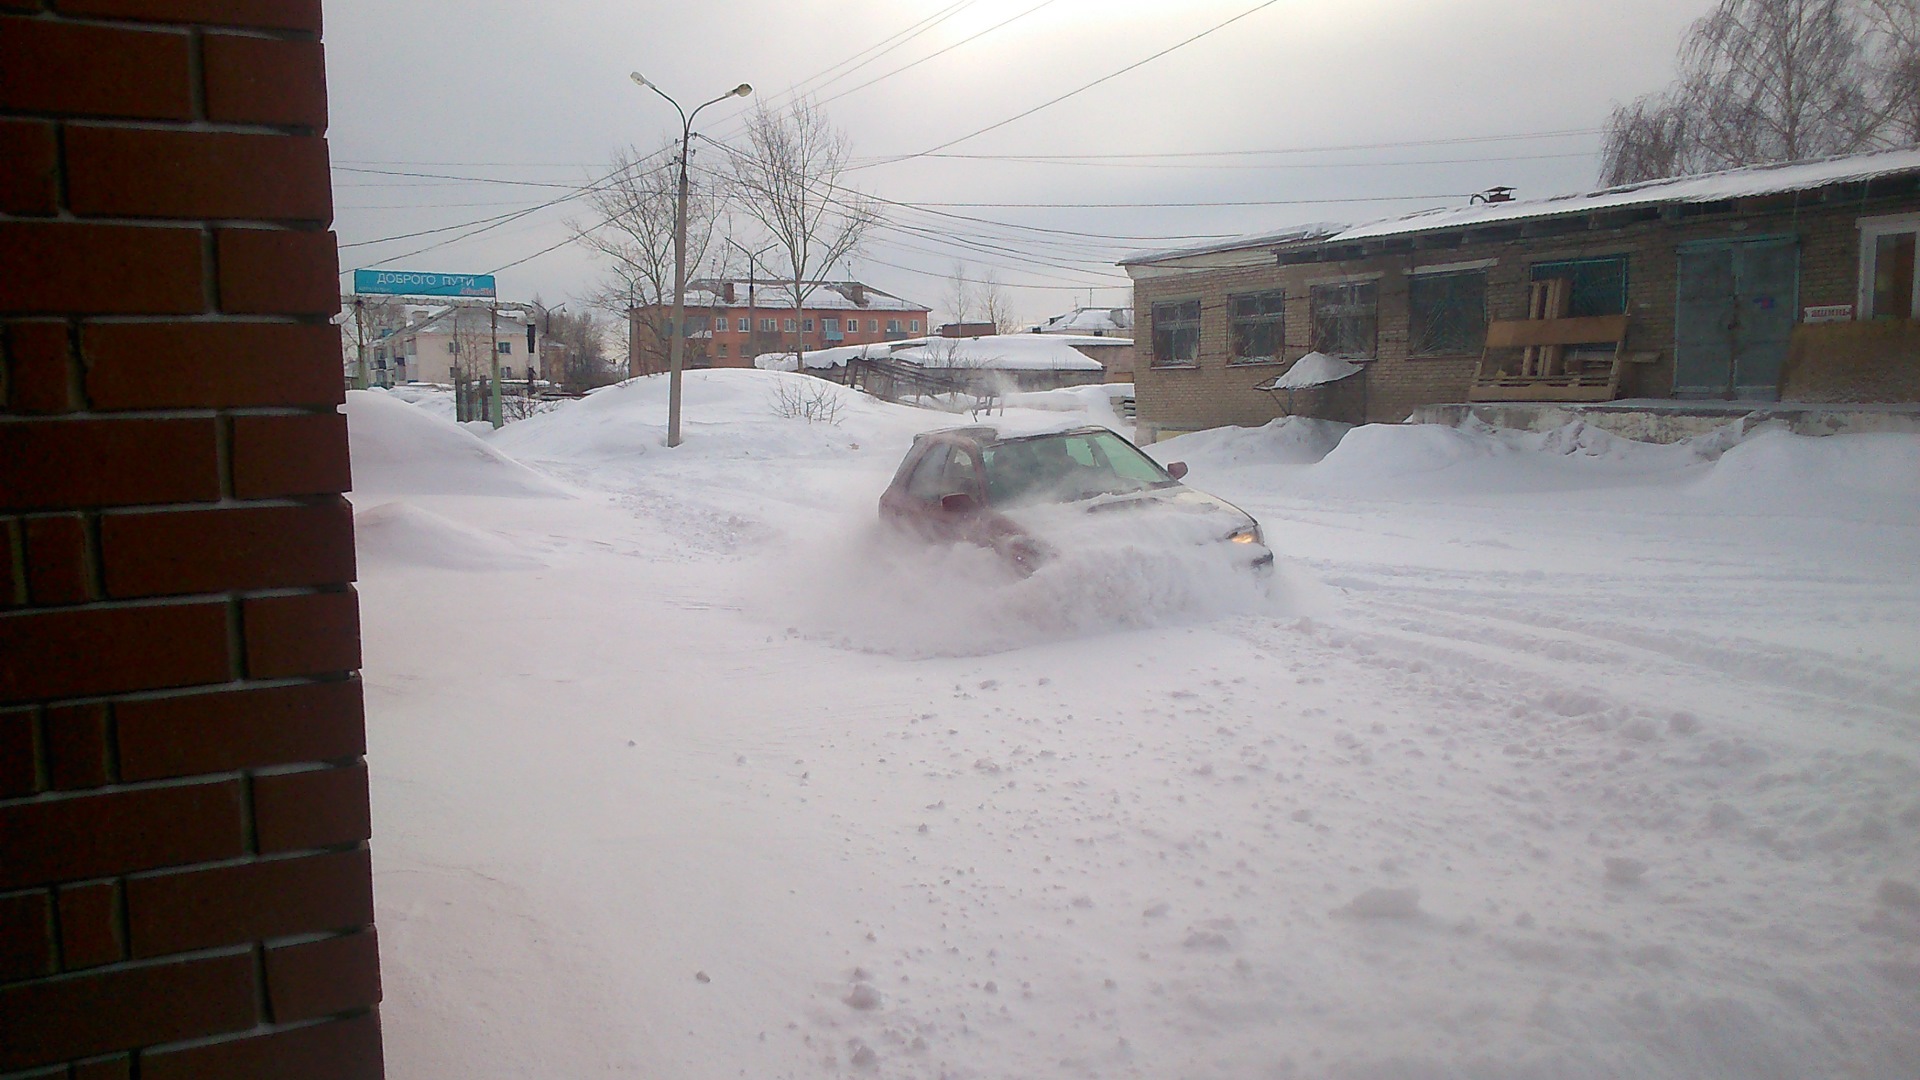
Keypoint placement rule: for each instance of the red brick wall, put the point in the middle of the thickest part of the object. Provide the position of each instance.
(184, 880)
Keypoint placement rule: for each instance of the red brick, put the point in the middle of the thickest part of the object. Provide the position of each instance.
(312, 634)
(56, 654)
(211, 365)
(75, 738)
(39, 368)
(323, 978)
(56, 67)
(300, 15)
(344, 1050)
(90, 925)
(118, 1067)
(135, 172)
(278, 272)
(26, 936)
(119, 832)
(240, 729)
(19, 752)
(196, 551)
(232, 905)
(57, 568)
(30, 184)
(265, 81)
(62, 464)
(281, 456)
(81, 269)
(118, 1010)
(297, 811)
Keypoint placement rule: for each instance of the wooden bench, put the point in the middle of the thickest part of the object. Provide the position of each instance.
(1527, 360)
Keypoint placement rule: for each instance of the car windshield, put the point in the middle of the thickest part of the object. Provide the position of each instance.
(1067, 467)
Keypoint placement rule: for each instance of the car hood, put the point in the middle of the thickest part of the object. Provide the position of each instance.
(1176, 512)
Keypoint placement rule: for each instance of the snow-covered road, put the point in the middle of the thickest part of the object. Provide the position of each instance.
(1546, 756)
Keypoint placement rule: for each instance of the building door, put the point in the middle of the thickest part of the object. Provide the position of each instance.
(1738, 303)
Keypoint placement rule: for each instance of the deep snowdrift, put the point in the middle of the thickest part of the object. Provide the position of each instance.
(1550, 756)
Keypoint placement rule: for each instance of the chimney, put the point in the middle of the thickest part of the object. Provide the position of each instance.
(857, 293)
(726, 291)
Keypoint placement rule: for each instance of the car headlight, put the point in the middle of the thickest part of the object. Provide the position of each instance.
(1246, 534)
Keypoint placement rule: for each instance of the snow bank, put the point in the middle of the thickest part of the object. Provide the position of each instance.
(1779, 469)
(399, 532)
(1290, 440)
(399, 449)
(1313, 369)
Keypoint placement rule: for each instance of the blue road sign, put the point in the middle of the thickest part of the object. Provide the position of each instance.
(413, 283)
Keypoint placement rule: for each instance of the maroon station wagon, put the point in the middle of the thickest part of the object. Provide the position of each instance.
(971, 485)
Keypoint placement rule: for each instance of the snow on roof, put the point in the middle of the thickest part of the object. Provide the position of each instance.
(999, 352)
(1088, 320)
(825, 296)
(1745, 182)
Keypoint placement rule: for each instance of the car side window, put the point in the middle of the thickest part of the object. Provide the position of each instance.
(929, 480)
(960, 473)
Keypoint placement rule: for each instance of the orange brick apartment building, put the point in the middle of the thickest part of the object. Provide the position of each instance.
(731, 322)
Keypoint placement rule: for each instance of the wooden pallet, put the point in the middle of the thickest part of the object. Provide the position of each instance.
(1545, 370)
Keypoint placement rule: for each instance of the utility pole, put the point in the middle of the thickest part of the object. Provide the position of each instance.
(753, 322)
(676, 352)
(493, 347)
(360, 327)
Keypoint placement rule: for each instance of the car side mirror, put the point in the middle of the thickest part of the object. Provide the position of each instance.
(1177, 469)
(958, 503)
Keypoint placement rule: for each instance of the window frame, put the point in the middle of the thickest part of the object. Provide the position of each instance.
(1326, 289)
(1273, 321)
(1473, 345)
(1169, 316)
(1871, 230)
(1574, 308)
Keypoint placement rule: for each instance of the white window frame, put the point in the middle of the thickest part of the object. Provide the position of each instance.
(1871, 230)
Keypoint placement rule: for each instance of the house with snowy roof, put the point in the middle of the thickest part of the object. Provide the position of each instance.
(729, 322)
(1792, 281)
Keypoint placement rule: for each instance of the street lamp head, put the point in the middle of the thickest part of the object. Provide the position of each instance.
(742, 90)
(638, 79)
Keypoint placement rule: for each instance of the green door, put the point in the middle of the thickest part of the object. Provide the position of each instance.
(1738, 301)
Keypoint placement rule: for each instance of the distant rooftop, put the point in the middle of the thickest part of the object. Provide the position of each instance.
(825, 295)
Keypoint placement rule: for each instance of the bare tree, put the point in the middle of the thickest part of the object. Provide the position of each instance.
(584, 363)
(995, 306)
(1760, 81)
(1893, 47)
(960, 297)
(789, 182)
(633, 235)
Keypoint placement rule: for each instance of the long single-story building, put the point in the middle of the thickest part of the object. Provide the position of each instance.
(1748, 284)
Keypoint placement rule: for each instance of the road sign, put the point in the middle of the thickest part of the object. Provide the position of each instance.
(412, 283)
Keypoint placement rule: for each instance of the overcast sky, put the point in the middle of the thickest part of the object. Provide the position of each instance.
(1399, 104)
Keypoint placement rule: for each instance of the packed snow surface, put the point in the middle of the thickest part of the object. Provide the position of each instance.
(1540, 756)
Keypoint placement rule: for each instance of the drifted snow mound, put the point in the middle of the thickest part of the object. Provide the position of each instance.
(398, 532)
(1094, 401)
(1777, 468)
(1290, 440)
(725, 412)
(876, 590)
(1438, 460)
(401, 450)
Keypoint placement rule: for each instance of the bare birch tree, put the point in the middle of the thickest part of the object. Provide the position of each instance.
(1893, 45)
(788, 180)
(996, 306)
(632, 233)
(1760, 81)
(960, 296)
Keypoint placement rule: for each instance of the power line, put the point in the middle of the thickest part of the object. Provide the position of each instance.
(1331, 148)
(942, 52)
(1082, 89)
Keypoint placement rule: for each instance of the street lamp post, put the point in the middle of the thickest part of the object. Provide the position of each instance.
(677, 349)
(753, 326)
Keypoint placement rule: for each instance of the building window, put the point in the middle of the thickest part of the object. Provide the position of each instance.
(453, 348)
(914, 326)
(1447, 314)
(1259, 326)
(1889, 288)
(1346, 319)
(806, 326)
(873, 326)
(766, 326)
(506, 373)
(505, 347)
(831, 326)
(721, 349)
(1176, 333)
(1595, 286)
(787, 325)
